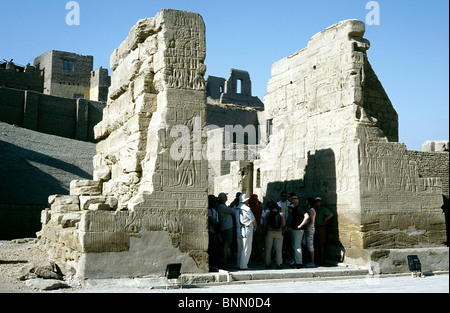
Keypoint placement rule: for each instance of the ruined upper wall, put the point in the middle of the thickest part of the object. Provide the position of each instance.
(314, 102)
(160, 54)
(332, 73)
(237, 90)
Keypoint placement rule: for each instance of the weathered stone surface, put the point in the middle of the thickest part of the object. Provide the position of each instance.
(70, 220)
(85, 188)
(44, 269)
(160, 203)
(102, 172)
(63, 204)
(45, 216)
(86, 201)
(331, 131)
(99, 207)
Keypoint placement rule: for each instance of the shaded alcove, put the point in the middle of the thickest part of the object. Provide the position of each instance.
(319, 181)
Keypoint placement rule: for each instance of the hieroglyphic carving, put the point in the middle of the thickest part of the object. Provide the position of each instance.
(186, 51)
(329, 94)
(160, 214)
(385, 165)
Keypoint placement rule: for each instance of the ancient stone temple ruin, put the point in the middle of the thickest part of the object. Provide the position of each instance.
(144, 209)
(333, 132)
(328, 129)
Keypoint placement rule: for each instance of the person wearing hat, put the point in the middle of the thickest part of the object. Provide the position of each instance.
(225, 226)
(246, 224)
(323, 215)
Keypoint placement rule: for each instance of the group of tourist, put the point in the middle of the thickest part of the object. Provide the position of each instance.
(248, 229)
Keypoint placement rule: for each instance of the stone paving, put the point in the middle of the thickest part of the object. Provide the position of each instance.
(337, 280)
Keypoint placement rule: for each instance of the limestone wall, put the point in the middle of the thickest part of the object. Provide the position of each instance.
(400, 208)
(145, 207)
(335, 135)
(435, 164)
(314, 102)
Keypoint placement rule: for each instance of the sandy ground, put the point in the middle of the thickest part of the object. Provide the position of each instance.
(14, 255)
(17, 254)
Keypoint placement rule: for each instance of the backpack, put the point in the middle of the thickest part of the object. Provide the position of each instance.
(274, 220)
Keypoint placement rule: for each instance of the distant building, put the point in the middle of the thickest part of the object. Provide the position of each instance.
(71, 75)
(236, 90)
(60, 74)
(60, 95)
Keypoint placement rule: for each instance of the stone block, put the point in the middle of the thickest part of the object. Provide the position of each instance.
(124, 73)
(86, 201)
(137, 141)
(85, 188)
(63, 204)
(137, 123)
(436, 146)
(139, 33)
(146, 103)
(46, 284)
(143, 84)
(70, 220)
(105, 242)
(194, 241)
(112, 202)
(131, 164)
(100, 130)
(51, 199)
(103, 221)
(62, 199)
(45, 216)
(102, 172)
(99, 207)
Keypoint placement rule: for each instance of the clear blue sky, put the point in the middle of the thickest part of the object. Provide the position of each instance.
(409, 52)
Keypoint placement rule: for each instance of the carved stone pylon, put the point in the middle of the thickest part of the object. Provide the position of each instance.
(158, 88)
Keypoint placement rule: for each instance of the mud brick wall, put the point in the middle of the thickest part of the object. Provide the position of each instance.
(64, 117)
